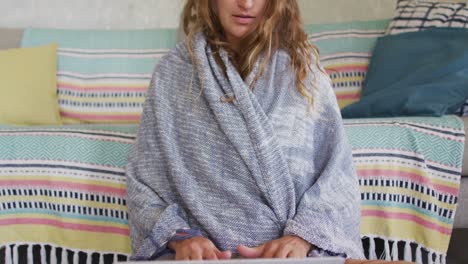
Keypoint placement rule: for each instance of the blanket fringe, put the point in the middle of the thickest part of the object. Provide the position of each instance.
(408, 256)
(43, 254)
(386, 253)
(391, 249)
(419, 254)
(372, 254)
(30, 254)
(101, 259)
(437, 259)
(26, 253)
(64, 257)
(53, 256)
(89, 259)
(15, 254)
(395, 250)
(7, 255)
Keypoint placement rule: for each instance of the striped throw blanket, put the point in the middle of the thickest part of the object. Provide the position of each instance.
(64, 188)
(409, 173)
(103, 75)
(345, 53)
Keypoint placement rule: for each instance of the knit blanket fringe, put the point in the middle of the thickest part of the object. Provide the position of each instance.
(46, 253)
(381, 248)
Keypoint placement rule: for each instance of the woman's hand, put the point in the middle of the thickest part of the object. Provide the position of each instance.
(286, 247)
(197, 248)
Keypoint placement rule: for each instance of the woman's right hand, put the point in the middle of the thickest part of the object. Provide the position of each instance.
(197, 248)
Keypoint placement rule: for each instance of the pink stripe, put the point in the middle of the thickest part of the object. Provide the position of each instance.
(64, 225)
(409, 217)
(66, 185)
(79, 88)
(348, 96)
(370, 173)
(133, 118)
(330, 69)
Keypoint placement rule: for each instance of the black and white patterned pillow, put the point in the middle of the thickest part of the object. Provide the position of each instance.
(463, 111)
(416, 15)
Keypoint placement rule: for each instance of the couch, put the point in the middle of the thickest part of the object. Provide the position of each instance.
(63, 186)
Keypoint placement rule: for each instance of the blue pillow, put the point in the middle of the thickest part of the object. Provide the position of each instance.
(421, 73)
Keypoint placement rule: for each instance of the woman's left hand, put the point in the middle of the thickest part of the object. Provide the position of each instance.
(289, 246)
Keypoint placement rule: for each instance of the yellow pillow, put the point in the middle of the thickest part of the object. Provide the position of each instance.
(28, 86)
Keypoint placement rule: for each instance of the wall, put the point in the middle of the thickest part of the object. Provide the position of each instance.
(162, 13)
(322, 11)
(158, 13)
(90, 13)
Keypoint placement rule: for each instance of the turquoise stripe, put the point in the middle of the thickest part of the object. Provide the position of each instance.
(407, 206)
(103, 219)
(447, 121)
(331, 46)
(107, 65)
(431, 147)
(361, 25)
(122, 128)
(74, 149)
(102, 39)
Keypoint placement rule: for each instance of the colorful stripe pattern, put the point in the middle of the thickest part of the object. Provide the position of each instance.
(409, 173)
(103, 75)
(65, 186)
(345, 51)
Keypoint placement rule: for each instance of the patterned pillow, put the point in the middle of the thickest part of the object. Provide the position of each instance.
(345, 51)
(416, 15)
(103, 75)
(463, 111)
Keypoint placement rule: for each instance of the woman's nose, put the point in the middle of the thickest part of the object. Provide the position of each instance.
(245, 4)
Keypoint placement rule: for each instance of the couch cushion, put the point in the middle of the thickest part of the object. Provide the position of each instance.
(28, 85)
(345, 52)
(103, 75)
(10, 37)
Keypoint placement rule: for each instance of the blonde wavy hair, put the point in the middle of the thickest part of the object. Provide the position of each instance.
(281, 28)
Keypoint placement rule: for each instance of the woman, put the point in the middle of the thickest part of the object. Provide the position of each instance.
(241, 149)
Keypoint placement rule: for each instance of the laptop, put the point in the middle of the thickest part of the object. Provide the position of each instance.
(324, 260)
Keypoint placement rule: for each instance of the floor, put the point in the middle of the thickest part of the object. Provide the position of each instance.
(458, 249)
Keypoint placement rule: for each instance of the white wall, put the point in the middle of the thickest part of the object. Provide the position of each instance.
(162, 13)
(90, 13)
(322, 11)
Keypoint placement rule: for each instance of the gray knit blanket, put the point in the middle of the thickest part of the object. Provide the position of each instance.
(243, 172)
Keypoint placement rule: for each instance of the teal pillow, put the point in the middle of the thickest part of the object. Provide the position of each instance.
(415, 74)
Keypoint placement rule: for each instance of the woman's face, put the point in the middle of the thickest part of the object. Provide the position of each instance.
(239, 17)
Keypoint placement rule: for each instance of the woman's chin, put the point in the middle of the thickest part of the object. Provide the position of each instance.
(239, 34)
